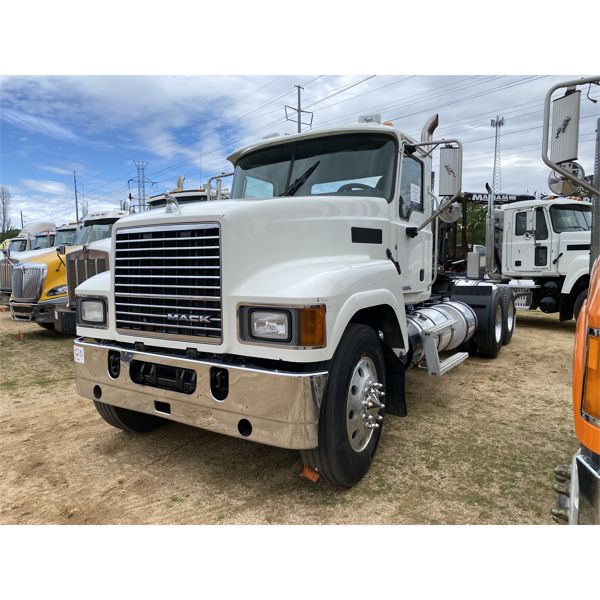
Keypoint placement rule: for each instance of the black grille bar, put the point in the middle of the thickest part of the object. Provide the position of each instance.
(173, 273)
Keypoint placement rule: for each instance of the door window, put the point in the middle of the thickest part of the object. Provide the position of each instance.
(521, 223)
(541, 227)
(411, 186)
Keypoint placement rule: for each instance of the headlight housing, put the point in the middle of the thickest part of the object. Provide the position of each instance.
(296, 327)
(91, 312)
(57, 291)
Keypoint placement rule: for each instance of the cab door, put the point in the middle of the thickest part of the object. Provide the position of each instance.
(531, 244)
(414, 254)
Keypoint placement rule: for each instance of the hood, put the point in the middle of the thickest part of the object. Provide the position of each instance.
(289, 226)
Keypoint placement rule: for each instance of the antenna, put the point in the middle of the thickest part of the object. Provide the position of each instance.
(497, 177)
(299, 111)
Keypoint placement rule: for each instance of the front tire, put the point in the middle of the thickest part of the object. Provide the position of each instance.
(352, 411)
(127, 420)
(579, 303)
(48, 326)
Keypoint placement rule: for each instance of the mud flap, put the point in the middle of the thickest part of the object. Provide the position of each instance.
(395, 393)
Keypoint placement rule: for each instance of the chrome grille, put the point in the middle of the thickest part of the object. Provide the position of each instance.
(6, 271)
(27, 282)
(168, 281)
(82, 265)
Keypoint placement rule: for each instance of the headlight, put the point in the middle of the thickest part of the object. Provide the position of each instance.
(57, 291)
(302, 327)
(270, 325)
(91, 312)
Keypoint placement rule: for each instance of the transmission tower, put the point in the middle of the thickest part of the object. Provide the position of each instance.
(141, 183)
(299, 112)
(497, 177)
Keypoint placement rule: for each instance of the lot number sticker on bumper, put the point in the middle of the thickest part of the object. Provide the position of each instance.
(78, 354)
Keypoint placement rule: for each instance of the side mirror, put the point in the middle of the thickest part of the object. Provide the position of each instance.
(565, 127)
(61, 250)
(450, 171)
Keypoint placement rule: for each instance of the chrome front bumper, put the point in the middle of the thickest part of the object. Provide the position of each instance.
(585, 490)
(282, 408)
(40, 312)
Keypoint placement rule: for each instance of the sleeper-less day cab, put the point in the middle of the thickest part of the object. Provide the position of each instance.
(288, 314)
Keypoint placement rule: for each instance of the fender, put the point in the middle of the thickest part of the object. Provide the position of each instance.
(337, 282)
(579, 267)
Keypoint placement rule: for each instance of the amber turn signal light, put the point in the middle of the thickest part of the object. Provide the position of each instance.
(591, 393)
(312, 327)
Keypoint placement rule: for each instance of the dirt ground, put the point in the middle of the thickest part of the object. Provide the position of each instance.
(478, 447)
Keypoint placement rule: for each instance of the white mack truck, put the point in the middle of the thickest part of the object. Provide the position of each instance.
(288, 314)
(543, 248)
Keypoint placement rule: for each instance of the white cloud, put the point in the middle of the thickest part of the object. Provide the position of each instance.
(45, 186)
(38, 125)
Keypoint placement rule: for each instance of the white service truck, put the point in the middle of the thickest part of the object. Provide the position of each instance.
(288, 314)
(542, 247)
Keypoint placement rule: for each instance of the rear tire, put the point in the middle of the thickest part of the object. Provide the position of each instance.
(490, 332)
(579, 303)
(509, 315)
(128, 420)
(346, 446)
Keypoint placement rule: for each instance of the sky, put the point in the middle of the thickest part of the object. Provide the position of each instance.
(97, 126)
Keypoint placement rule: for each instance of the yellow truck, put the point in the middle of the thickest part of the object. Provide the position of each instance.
(39, 284)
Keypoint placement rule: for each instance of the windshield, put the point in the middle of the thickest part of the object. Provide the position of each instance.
(98, 230)
(65, 237)
(341, 165)
(42, 241)
(571, 218)
(18, 245)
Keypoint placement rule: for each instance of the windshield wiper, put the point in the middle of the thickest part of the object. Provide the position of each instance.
(299, 181)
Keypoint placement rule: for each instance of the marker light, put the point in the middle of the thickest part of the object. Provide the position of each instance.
(312, 327)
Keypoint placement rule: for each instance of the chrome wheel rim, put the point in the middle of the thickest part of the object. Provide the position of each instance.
(512, 317)
(498, 323)
(363, 404)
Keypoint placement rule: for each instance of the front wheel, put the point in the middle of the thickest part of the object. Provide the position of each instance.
(48, 326)
(579, 303)
(127, 420)
(351, 414)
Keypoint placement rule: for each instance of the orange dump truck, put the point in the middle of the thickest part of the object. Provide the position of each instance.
(578, 485)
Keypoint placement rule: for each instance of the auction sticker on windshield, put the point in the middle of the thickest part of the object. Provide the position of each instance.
(78, 354)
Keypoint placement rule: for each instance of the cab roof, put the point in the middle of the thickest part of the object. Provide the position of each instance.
(317, 133)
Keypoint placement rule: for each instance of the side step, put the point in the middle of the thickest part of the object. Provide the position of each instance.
(432, 358)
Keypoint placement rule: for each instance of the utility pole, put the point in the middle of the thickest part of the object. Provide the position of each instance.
(298, 110)
(22, 226)
(497, 177)
(76, 203)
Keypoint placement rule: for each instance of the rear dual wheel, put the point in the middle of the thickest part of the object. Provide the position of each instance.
(351, 413)
(509, 314)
